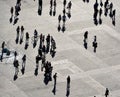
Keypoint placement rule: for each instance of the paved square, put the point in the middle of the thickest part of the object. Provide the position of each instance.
(91, 73)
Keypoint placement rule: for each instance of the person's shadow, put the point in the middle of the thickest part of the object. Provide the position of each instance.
(17, 36)
(59, 28)
(50, 13)
(39, 11)
(17, 39)
(11, 19)
(63, 28)
(96, 22)
(68, 91)
(54, 89)
(100, 21)
(85, 44)
(15, 21)
(15, 77)
(113, 17)
(36, 70)
(34, 43)
(54, 12)
(26, 45)
(53, 52)
(21, 37)
(23, 70)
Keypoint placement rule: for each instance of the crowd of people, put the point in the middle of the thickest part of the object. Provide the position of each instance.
(15, 11)
(106, 8)
(47, 44)
(63, 18)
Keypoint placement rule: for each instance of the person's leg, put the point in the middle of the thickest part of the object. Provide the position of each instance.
(2, 55)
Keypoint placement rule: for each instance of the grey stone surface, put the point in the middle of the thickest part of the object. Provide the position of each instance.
(91, 73)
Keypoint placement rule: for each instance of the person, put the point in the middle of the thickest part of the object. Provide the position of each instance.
(12, 10)
(101, 4)
(22, 34)
(69, 5)
(40, 3)
(64, 2)
(85, 35)
(22, 28)
(51, 3)
(3, 46)
(23, 64)
(16, 65)
(113, 17)
(54, 3)
(68, 80)
(68, 86)
(59, 18)
(24, 59)
(15, 54)
(106, 92)
(95, 43)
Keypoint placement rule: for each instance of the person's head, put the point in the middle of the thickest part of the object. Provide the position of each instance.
(86, 32)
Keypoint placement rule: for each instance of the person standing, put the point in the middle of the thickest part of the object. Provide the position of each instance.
(23, 64)
(3, 46)
(68, 87)
(106, 92)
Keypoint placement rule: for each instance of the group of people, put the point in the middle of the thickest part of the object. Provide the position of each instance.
(53, 5)
(86, 1)
(15, 12)
(64, 16)
(50, 44)
(46, 44)
(16, 64)
(20, 34)
(94, 43)
(43, 50)
(67, 87)
(108, 10)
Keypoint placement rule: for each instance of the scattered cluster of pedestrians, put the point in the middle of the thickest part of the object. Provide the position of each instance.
(63, 18)
(107, 10)
(15, 12)
(47, 44)
(16, 64)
